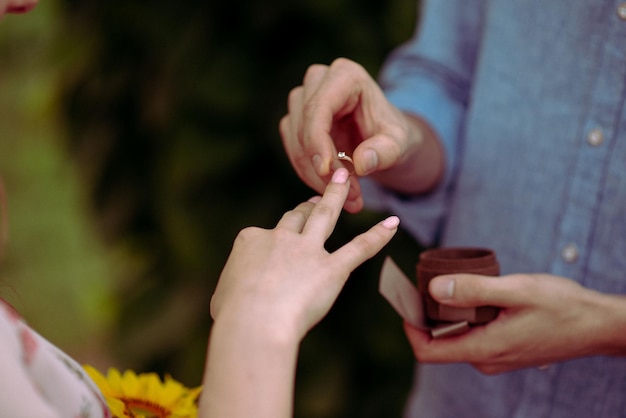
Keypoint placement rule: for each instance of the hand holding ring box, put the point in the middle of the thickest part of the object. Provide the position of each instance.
(418, 308)
(440, 261)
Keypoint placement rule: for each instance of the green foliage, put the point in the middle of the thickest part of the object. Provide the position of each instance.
(172, 112)
(53, 271)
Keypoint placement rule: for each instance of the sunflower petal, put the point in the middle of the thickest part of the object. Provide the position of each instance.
(131, 395)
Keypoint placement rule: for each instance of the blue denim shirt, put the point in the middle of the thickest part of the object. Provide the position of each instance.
(529, 100)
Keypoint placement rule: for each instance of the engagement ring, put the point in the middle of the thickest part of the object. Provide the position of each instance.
(346, 161)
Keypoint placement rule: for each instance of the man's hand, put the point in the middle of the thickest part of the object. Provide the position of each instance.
(341, 108)
(543, 319)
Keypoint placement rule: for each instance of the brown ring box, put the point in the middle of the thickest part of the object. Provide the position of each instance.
(440, 261)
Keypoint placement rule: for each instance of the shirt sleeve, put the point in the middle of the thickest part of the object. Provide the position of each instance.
(38, 379)
(18, 396)
(430, 76)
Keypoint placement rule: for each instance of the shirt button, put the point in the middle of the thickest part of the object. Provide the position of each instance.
(621, 11)
(595, 137)
(570, 253)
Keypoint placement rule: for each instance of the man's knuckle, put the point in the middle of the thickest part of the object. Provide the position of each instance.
(314, 71)
(293, 97)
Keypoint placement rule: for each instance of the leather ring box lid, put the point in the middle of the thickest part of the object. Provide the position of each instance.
(439, 261)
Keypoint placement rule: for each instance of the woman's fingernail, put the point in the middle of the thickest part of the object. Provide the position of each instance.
(340, 176)
(391, 222)
(370, 161)
(442, 288)
(315, 199)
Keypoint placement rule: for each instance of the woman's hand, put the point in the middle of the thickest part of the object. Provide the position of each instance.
(283, 279)
(276, 285)
(543, 319)
(341, 108)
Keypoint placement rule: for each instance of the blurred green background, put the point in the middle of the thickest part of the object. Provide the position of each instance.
(136, 140)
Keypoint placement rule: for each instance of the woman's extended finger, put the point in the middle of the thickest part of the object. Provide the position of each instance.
(323, 218)
(366, 245)
(295, 219)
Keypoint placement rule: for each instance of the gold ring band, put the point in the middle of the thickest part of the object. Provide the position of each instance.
(342, 156)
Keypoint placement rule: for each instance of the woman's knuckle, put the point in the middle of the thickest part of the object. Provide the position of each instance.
(324, 209)
(247, 233)
(364, 244)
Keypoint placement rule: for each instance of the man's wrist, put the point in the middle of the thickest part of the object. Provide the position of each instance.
(614, 325)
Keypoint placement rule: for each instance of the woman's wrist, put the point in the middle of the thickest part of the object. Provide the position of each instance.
(260, 324)
(250, 369)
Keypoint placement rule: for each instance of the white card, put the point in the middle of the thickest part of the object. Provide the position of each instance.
(407, 302)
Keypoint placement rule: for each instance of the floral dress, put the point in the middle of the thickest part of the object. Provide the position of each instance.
(37, 380)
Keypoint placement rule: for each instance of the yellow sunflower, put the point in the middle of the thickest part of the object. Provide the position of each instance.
(144, 395)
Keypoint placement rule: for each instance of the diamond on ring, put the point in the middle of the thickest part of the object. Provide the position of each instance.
(346, 161)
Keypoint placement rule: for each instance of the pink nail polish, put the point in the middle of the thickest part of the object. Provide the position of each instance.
(391, 222)
(340, 176)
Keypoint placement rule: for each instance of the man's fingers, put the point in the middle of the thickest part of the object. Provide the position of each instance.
(313, 78)
(337, 95)
(453, 349)
(302, 163)
(378, 152)
(469, 290)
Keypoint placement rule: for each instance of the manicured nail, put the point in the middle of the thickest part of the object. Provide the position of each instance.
(391, 222)
(370, 161)
(340, 176)
(315, 199)
(442, 288)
